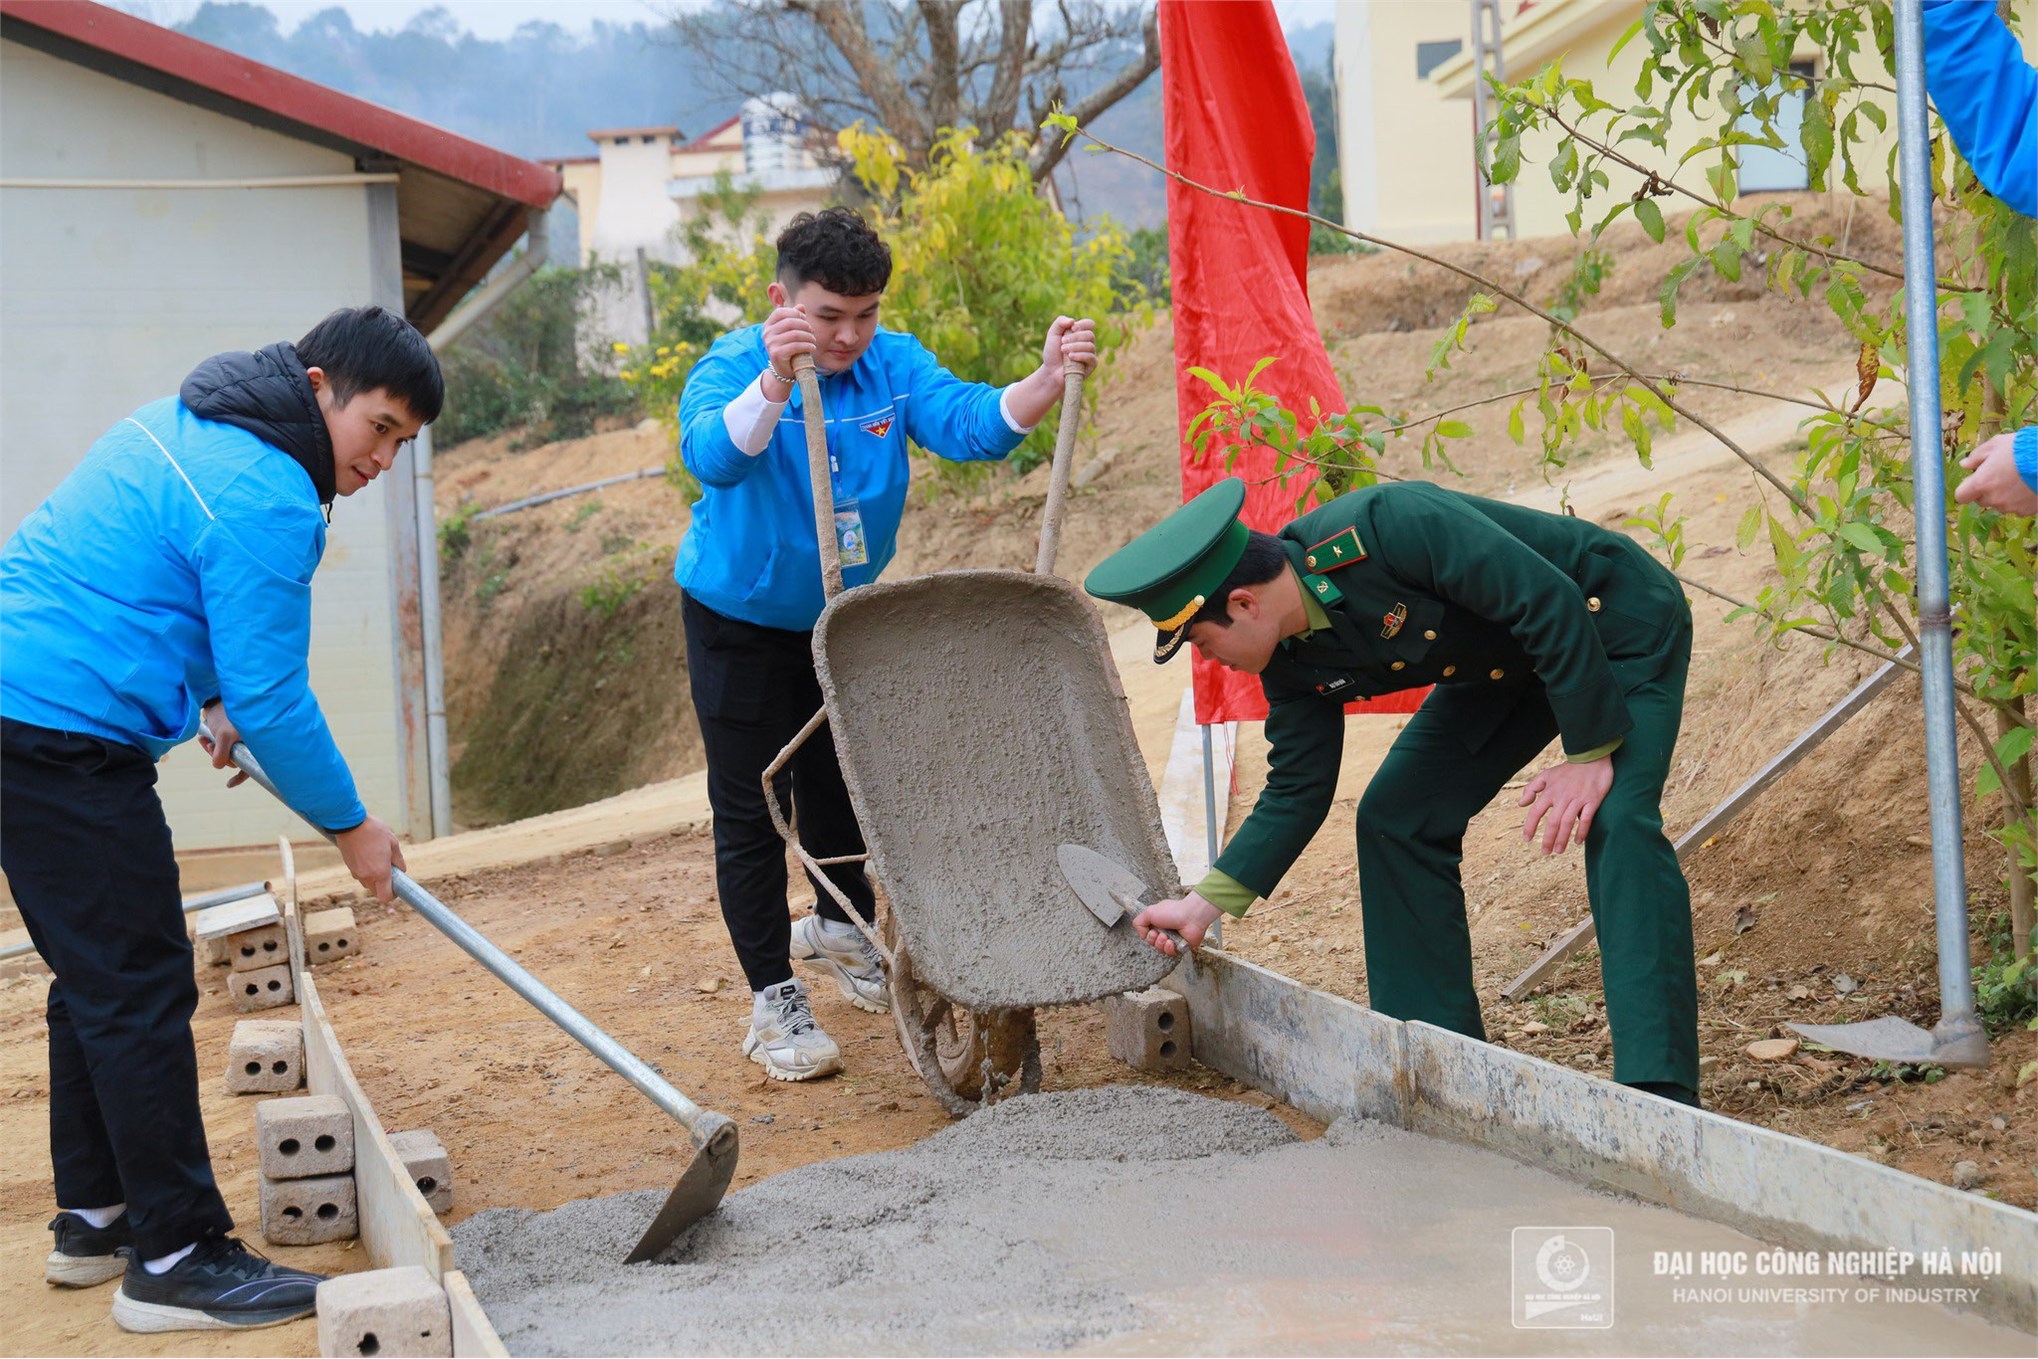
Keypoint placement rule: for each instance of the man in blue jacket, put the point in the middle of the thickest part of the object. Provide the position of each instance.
(750, 575)
(164, 584)
(1987, 96)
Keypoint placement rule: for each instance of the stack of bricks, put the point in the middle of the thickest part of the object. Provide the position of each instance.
(248, 937)
(307, 1152)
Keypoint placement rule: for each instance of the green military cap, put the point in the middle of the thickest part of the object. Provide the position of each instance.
(1169, 571)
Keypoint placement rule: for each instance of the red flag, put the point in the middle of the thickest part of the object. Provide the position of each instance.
(1236, 120)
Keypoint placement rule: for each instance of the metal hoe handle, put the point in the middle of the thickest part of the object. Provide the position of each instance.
(1058, 475)
(817, 471)
(704, 1125)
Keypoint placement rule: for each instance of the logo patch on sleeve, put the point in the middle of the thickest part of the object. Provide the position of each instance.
(1340, 549)
(878, 425)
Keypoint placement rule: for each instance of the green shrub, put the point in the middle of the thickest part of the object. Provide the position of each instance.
(520, 368)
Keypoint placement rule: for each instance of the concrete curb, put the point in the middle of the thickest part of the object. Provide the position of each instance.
(1332, 1058)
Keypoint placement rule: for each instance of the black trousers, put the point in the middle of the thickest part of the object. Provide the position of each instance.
(753, 689)
(87, 855)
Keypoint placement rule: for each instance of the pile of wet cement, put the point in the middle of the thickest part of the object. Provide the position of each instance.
(1138, 1221)
(931, 1249)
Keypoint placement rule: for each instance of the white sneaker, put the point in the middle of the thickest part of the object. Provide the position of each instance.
(841, 950)
(785, 1040)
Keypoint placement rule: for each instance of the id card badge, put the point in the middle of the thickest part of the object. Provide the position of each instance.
(849, 540)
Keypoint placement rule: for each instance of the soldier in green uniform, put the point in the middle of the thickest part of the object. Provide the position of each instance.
(1532, 626)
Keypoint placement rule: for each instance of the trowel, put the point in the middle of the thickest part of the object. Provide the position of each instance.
(706, 1178)
(1113, 893)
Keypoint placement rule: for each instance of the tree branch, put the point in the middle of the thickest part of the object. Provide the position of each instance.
(1048, 149)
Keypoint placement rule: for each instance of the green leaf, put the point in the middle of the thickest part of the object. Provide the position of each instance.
(2014, 745)
(1651, 218)
(1751, 524)
(1453, 429)
(1858, 534)
(1517, 429)
(1507, 160)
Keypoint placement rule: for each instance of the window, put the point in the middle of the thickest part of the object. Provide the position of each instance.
(1768, 168)
(1430, 55)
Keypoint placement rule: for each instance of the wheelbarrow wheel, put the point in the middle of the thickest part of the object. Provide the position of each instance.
(968, 1059)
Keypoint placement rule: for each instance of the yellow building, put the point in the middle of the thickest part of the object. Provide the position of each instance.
(1406, 123)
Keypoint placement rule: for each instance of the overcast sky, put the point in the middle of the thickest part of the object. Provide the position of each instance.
(500, 18)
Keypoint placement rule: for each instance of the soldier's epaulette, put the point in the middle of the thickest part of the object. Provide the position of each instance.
(1340, 549)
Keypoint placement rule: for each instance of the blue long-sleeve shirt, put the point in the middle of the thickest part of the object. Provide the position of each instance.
(170, 567)
(1986, 95)
(749, 551)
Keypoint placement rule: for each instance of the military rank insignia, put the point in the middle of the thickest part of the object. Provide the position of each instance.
(1394, 620)
(1340, 549)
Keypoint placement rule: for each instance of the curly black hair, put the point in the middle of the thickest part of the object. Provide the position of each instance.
(837, 249)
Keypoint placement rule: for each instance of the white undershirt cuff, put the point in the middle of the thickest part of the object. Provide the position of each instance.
(751, 417)
(1005, 409)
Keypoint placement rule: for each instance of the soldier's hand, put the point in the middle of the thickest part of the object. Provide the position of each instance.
(1189, 916)
(1563, 799)
(1992, 479)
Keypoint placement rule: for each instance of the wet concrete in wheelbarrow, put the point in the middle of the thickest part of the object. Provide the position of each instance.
(1150, 1221)
(980, 723)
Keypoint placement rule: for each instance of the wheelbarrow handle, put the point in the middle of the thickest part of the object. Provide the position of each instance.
(1058, 474)
(705, 1126)
(817, 472)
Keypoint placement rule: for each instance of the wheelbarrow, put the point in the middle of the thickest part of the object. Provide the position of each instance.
(980, 724)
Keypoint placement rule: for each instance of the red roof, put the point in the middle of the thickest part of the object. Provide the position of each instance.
(288, 97)
(700, 143)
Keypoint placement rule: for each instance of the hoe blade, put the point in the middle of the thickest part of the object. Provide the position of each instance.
(1888, 1039)
(698, 1193)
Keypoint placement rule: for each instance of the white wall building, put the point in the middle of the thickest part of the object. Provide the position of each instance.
(637, 193)
(162, 200)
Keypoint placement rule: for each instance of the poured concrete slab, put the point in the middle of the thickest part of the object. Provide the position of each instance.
(1147, 1221)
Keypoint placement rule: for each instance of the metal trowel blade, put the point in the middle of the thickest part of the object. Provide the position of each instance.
(1103, 885)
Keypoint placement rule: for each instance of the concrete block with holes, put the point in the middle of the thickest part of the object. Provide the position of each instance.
(262, 988)
(425, 1161)
(263, 946)
(330, 935)
(307, 1135)
(1148, 1030)
(384, 1312)
(265, 1057)
(309, 1212)
(215, 925)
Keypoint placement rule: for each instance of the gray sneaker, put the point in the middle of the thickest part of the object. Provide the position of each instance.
(785, 1040)
(841, 951)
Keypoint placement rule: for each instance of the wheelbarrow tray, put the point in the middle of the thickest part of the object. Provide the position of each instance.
(980, 724)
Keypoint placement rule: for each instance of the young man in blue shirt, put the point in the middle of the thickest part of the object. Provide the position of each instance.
(164, 584)
(750, 575)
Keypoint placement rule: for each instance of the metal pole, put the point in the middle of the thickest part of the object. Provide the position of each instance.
(1957, 1024)
(705, 1125)
(192, 905)
(438, 765)
(1210, 824)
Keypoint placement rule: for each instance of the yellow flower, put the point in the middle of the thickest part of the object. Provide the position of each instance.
(619, 347)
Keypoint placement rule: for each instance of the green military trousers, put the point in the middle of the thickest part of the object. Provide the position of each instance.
(1411, 834)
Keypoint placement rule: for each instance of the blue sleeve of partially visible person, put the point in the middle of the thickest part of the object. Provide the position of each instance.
(2024, 447)
(1987, 96)
(254, 574)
